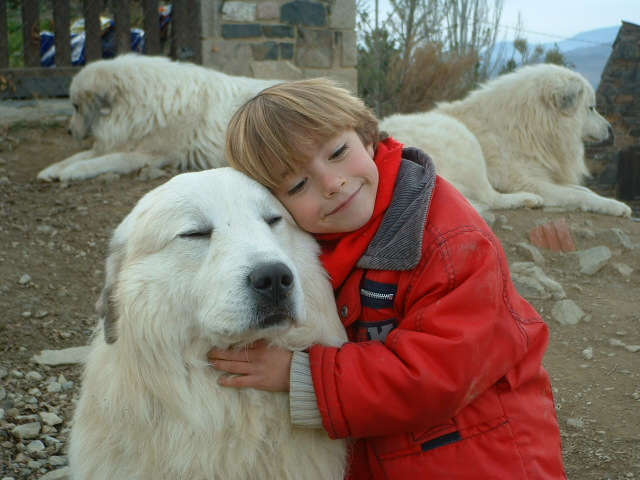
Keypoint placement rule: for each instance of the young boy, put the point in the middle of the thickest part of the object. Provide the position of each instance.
(442, 376)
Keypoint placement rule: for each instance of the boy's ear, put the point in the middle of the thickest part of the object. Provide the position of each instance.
(370, 150)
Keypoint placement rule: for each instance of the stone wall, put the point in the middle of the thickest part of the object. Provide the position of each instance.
(618, 99)
(281, 39)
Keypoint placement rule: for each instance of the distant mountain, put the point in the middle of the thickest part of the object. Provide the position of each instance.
(588, 51)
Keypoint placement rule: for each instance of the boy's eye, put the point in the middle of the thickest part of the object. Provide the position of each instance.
(340, 152)
(297, 187)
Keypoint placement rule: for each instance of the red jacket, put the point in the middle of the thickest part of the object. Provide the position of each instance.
(442, 378)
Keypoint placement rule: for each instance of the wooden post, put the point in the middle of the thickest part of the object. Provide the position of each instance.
(62, 25)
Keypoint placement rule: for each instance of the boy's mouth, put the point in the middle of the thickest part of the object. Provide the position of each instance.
(346, 203)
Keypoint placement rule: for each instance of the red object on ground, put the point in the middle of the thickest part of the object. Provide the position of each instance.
(554, 235)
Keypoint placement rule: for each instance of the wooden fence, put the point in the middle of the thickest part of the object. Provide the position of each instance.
(179, 38)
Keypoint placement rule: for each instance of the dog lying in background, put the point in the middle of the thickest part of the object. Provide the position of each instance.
(515, 142)
(150, 111)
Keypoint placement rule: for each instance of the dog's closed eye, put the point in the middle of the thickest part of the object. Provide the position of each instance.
(271, 221)
(197, 234)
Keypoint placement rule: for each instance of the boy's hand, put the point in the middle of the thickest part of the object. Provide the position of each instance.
(258, 366)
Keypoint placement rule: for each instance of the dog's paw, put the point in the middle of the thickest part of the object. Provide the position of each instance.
(625, 210)
(76, 172)
(531, 200)
(614, 208)
(49, 174)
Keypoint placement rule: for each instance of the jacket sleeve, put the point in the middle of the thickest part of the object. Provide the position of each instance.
(462, 328)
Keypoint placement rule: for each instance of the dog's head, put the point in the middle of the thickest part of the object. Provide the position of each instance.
(574, 98)
(92, 94)
(113, 98)
(207, 255)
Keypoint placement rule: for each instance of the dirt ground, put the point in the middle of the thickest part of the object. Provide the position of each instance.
(53, 245)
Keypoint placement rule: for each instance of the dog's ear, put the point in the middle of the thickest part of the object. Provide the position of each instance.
(104, 105)
(109, 317)
(568, 99)
(106, 304)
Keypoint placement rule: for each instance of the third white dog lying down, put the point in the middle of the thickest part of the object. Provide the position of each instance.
(515, 142)
(150, 111)
(209, 259)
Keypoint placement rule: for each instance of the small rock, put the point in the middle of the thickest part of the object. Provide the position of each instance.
(593, 259)
(624, 239)
(35, 446)
(24, 279)
(27, 431)
(50, 418)
(623, 269)
(58, 461)
(54, 387)
(566, 312)
(34, 376)
(62, 357)
(532, 282)
(588, 353)
(535, 254)
(60, 474)
(575, 422)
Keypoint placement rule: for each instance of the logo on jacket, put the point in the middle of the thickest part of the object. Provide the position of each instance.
(375, 330)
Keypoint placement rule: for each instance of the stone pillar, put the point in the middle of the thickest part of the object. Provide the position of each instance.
(618, 99)
(281, 39)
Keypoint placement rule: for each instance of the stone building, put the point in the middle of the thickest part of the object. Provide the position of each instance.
(281, 39)
(616, 165)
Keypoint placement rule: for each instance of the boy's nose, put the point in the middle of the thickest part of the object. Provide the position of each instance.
(333, 184)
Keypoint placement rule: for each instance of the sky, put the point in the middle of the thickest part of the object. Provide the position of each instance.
(555, 20)
(550, 21)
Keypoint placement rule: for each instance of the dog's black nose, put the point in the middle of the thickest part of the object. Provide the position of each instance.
(273, 280)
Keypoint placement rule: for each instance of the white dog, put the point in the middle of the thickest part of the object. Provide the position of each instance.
(208, 259)
(143, 110)
(522, 135)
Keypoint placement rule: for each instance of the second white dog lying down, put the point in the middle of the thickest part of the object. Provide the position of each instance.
(207, 259)
(150, 111)
(516, 141)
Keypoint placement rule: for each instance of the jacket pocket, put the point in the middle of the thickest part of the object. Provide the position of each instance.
(484, 452)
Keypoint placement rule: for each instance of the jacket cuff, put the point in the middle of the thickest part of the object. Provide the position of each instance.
(303, 405)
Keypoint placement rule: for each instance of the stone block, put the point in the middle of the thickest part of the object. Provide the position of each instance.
(303, 12)
(349, 48)
(278, 31)
(265, 51)
(239, 12)
(231, 30)
(286, 51)
(314, 48)
(268, 11)
(343, 14)
(232, 58)
(278, 70)
(209, 11)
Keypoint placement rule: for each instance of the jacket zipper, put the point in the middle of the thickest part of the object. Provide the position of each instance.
(376, 295)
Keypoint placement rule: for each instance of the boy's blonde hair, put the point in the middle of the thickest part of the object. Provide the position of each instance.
(266, 134)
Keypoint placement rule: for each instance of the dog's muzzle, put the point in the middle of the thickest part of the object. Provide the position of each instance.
(272, 285)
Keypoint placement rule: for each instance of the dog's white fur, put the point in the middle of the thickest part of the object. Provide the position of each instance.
(515, 142)
(150, 111)
(177, 284)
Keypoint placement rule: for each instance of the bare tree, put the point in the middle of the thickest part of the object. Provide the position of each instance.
(456, 36)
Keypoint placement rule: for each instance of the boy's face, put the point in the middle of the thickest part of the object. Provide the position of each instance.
(336, 190)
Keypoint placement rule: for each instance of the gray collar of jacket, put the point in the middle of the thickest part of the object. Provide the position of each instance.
(398, 243)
